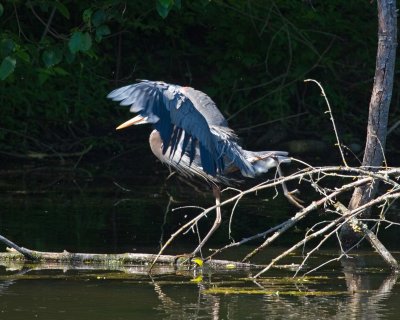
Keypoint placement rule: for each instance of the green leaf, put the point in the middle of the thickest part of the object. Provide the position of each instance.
(7, 67)
(51, 57)
(23, 55)
(1, 9)
(99, 17)
(6, 47)
(101, 31)
(87, 15)
(44, 75)
(62, 9)
(164, 7)
(61, 71)
(80, 42)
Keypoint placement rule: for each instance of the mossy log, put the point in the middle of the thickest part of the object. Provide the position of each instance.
(117, 260)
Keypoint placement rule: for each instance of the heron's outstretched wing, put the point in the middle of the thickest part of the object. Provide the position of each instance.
(187, 117)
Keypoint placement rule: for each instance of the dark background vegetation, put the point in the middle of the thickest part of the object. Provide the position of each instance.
(59, 59)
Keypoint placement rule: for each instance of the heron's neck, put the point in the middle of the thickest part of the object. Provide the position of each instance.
(156, 145)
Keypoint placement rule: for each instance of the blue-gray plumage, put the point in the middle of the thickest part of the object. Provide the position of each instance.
(192, 136)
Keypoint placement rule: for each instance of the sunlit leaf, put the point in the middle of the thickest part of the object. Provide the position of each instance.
(80, 42)
(7, 67)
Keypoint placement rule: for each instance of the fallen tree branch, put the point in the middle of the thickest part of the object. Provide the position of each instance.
(126, 259)
(383, 175)
(301, 214)
(345, 218)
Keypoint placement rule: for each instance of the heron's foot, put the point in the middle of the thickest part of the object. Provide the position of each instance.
(294, 192)
(292, 197)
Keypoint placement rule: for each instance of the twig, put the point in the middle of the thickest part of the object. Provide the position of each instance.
(331, 117)
(393, 127)
(46, 29)
(231, 217)
(53, 33)
(167, 209)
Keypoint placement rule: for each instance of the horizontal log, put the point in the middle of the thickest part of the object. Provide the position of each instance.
(108, 261)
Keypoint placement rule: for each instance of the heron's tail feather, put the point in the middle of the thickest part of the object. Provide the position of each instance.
(230, 152)
(262, 161)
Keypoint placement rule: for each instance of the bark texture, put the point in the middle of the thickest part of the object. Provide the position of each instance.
(378, 108)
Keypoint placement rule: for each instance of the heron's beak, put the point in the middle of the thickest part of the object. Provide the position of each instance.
(130, 122)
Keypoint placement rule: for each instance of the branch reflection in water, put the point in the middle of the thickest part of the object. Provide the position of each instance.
(348, 292)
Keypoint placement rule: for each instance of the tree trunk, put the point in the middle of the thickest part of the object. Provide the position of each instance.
(378, 109)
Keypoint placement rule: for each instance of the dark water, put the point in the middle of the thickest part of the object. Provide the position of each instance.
(53, 211)
(87, 295)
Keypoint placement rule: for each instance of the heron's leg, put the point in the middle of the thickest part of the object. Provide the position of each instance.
(289, 194)
(217, 222)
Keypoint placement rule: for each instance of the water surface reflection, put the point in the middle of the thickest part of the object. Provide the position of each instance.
(90, 294)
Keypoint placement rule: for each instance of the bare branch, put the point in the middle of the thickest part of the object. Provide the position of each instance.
(332, 119)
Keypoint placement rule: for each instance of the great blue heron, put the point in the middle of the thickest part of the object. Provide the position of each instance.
(192, 136)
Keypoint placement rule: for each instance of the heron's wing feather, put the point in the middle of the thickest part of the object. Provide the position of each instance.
(146, 98)
(176, 111)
